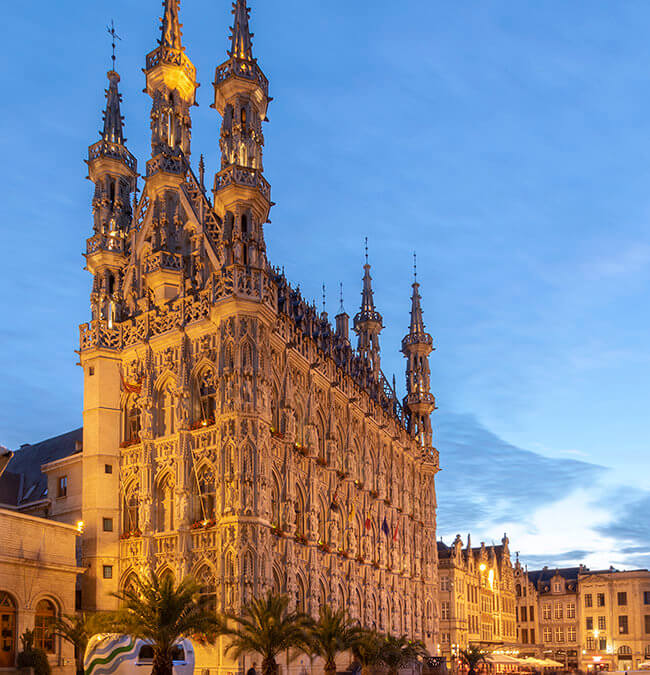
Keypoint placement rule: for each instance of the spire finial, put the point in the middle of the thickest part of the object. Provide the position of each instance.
(202, 172)
(415, 267)
(366, 250)
(341, 293)
(241, 43)
(171, 27)
(324, 299)
(114, 36)
(113, 121)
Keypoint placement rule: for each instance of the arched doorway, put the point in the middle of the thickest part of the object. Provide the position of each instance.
(7, 631)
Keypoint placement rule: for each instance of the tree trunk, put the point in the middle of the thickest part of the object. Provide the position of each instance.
(330, 667)
(162, 663)
(269, 666)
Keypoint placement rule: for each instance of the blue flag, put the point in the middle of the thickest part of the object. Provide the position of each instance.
(384, 527)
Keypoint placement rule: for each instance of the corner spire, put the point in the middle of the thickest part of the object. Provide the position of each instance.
(171, 83)
(171, 27)
(417, 345)
(241, 44)
(368, 323)
(113, 121)
(417, 322)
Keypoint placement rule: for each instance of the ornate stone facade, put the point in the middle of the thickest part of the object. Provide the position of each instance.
(257, 448)
(477, 597)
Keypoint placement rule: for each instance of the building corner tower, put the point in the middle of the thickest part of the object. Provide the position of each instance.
(113, 170)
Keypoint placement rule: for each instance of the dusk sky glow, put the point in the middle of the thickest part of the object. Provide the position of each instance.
(508, 143)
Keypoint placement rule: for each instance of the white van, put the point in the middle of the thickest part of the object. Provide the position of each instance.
(113, 654)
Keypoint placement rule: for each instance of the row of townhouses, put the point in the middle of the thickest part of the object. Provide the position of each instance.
(583, 619)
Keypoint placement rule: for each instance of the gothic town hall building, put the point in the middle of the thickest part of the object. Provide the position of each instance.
(257, 447)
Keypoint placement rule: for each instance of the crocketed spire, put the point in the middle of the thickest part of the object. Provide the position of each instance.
(368, 322)
(417, 322)
(417, 345)
(113, 121)
(171, 27)
(242, 46)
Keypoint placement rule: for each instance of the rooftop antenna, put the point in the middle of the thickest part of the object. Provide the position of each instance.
(114, 36)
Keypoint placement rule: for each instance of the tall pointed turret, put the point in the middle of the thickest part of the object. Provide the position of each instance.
(342, 322)
(419, 401)
(242, 46)
(171, 83)
(171, 27)
(368, 323)
(113, 170)
(242, 196)
(113, 121)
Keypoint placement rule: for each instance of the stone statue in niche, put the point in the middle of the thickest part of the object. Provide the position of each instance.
(289, 424)
(335, 532)
(288, 516)
(183, 412)
(366, 547)
(312, 525)
(381, 483)
(352, 541)
(146, 417)
(311, 439)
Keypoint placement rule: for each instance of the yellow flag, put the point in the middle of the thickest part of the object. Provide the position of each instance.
(351, 514)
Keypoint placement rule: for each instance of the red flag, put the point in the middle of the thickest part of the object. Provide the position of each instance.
(395, 531)
(368, 524)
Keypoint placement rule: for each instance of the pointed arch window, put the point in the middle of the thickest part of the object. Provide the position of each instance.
(300, 424)
(300, 512)
(165, 411)
(207, 587)
(301, 596)
(275, 501)
(205, 502)
(132, 422)
(206, 408)
(322, 442)
(275, 410)
(164, 502)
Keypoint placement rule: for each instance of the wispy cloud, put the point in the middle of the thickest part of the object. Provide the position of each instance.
(546, 504)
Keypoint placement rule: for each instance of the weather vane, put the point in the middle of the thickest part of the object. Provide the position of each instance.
(114, 36)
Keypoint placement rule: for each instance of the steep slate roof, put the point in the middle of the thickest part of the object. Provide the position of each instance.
(542, 577)
(23, 481)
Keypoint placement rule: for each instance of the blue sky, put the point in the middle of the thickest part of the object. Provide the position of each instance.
(509, 143)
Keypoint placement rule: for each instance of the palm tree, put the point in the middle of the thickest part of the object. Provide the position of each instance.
(332, 634)
(266, 627)
(77, 629)
(472, 657)
(160, 612)
(366, 649)
(400, 652)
